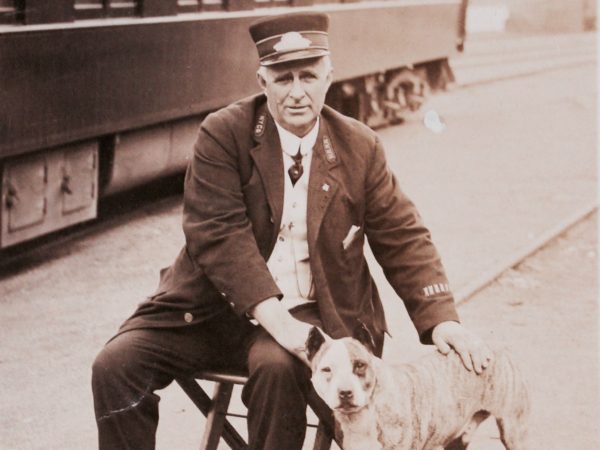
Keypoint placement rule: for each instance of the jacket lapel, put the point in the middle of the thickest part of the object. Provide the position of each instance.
(268, 160)
(322, 182)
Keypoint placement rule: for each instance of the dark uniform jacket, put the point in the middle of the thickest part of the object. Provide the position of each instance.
(233, 204)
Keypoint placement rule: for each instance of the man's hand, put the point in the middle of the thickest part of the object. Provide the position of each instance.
(290, 333)
(473, 352)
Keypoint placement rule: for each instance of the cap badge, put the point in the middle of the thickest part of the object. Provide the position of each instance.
(292, 40)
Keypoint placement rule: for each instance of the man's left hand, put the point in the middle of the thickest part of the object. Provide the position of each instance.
(473, 352)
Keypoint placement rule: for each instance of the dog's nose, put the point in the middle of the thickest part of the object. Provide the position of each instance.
(345, 395)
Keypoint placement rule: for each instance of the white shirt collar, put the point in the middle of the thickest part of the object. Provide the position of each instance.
(290, 142)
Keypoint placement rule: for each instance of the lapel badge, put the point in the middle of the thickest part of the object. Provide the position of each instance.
(259, 129)
(329, 153)
(325, 187)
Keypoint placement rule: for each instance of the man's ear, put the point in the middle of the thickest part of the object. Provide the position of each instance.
(364, 336)
(314, 342)
(261, 80)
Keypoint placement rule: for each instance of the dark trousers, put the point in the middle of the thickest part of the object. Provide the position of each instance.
(134, 364)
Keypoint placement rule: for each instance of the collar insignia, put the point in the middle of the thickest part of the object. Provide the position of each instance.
(292, 41)
(329, 153)
(259, 129)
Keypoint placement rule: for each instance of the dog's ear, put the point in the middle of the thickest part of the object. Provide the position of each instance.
(314, 342)
(364, 336)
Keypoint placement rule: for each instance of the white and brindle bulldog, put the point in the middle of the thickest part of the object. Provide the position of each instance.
(431, 404)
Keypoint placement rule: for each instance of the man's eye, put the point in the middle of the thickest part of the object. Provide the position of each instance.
(326, 369)
(283, 80)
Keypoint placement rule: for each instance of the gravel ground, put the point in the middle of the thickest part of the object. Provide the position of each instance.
(546, 311)
(508, 168)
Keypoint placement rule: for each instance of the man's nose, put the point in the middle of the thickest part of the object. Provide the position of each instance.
(297, 90)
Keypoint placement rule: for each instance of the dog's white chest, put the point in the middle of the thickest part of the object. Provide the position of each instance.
(360, 431)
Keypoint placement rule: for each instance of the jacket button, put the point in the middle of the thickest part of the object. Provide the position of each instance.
(232, 304)
(223, 294)
(188, 317)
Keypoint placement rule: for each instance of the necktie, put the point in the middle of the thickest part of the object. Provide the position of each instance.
(296, 170)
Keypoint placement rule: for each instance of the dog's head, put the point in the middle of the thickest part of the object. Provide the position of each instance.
(342, 369)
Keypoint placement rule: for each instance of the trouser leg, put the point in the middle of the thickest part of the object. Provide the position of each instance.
(124, 378)
(136, 363)
(275, 395)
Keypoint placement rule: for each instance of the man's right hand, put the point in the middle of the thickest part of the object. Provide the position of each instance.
(289, 332)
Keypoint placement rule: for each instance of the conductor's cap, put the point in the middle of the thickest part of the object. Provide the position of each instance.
(290, 37)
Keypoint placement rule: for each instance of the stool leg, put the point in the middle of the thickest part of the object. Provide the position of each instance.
(196, 394)
(215, 420)
(207, 405)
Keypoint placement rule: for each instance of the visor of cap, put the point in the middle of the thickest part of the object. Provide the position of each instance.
(293, 56)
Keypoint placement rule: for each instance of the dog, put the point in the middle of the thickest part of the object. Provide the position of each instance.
(431, 404)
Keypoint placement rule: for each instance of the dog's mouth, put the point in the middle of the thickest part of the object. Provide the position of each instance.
(348, 408)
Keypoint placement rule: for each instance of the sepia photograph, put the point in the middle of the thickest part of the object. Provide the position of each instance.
(299, 225)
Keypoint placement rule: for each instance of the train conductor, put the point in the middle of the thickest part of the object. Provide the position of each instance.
(279, 197)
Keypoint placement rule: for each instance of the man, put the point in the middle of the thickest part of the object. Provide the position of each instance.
(279, 197)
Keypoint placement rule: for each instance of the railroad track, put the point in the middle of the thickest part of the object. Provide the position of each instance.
(494, 58)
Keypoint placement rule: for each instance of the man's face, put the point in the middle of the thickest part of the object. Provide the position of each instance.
(296, 92)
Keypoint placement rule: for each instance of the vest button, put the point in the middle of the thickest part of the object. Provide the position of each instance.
(188, 317)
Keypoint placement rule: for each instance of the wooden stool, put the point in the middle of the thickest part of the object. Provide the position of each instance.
(215, 410)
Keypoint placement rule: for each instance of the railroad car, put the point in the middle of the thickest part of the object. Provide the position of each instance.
(100, 96)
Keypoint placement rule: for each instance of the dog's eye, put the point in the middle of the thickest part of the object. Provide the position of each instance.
(326, 369)
(359, 365)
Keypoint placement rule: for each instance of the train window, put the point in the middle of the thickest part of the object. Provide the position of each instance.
(8, 12)
(35, 12)
(156, 8)
(184, 6)
(270, 3)
(212, 5)
(121, 8)
(89, 9)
